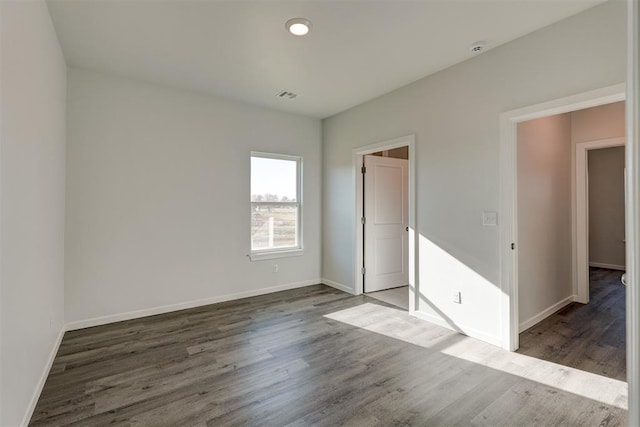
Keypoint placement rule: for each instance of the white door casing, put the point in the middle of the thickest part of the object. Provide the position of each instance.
(582, 212)
(510, 324)
(386, 191)
(633, 211)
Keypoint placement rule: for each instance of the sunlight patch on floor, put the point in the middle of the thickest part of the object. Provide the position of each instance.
(400, 325)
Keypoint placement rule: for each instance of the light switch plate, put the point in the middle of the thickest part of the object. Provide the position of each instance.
(490, 218)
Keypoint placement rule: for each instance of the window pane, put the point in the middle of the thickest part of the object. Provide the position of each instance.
(273, 180)
(273, 226)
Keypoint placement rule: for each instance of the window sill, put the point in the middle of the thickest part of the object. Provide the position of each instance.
(258, 256)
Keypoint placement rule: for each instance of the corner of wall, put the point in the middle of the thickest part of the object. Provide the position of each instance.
(339, 286)
(43, 379)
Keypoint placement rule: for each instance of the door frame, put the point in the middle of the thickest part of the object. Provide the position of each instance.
(370, 263)
(358, 154)
(510, 327)
(633, 210)
(581, 222)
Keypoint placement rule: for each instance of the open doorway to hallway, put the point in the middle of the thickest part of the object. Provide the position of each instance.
(385, 226)
(572, 239)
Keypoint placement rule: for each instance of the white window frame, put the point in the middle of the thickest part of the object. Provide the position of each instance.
(298, 250)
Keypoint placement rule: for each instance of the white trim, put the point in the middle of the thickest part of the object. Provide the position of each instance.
(608, 266)
(103, 320)
(275, 156)
(633, 211)
(465, 330)
(508, 235)
(508, 193)
(357, 155)
(546, 313)
(581, 218)
(273, 254)
(43, 379)
(580, 101)
(339, 286)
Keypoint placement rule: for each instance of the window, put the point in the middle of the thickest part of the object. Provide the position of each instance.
(275, 205)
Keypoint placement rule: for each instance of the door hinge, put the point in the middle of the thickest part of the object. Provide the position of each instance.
(362, 271)
(513, 246)
(363, 169)
(363, 220)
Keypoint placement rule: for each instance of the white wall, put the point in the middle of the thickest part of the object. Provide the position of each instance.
(33, 80)
(602, 122)
(545, 255)
(455, 117)
(606, 207)
(158, 209)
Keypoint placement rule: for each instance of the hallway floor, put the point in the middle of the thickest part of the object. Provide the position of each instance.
(588, 337)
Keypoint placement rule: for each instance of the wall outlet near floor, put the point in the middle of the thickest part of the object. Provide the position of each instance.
(457, 297)
(275, 268)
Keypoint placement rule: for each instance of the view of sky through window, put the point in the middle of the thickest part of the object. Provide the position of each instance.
(273, 177)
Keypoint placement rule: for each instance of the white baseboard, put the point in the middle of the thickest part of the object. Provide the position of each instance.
(43, 379)
(546, 313)
(338, 286)
(465, 330)
(609, 266)
(103, 320)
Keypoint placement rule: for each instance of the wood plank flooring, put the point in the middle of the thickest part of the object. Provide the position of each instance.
(589, 337)
(310, 356)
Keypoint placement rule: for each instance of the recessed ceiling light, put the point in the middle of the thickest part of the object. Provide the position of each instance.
(298, 26)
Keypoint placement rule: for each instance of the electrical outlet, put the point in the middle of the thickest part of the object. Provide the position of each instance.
(275, 268)
(457, 297)
(490, 218)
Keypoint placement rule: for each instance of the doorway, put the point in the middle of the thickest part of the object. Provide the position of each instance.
(510, 240)
(583, 327)
(600, 209)
(386, 242)
(558, 314)
(385, 223)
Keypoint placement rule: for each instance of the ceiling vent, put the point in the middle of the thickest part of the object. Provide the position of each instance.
(478, 47)
(287, 95)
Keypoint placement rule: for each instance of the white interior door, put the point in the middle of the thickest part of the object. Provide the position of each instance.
(386, 223)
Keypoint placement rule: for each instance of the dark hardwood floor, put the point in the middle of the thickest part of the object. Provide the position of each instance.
(589, 337)
(309, 356)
